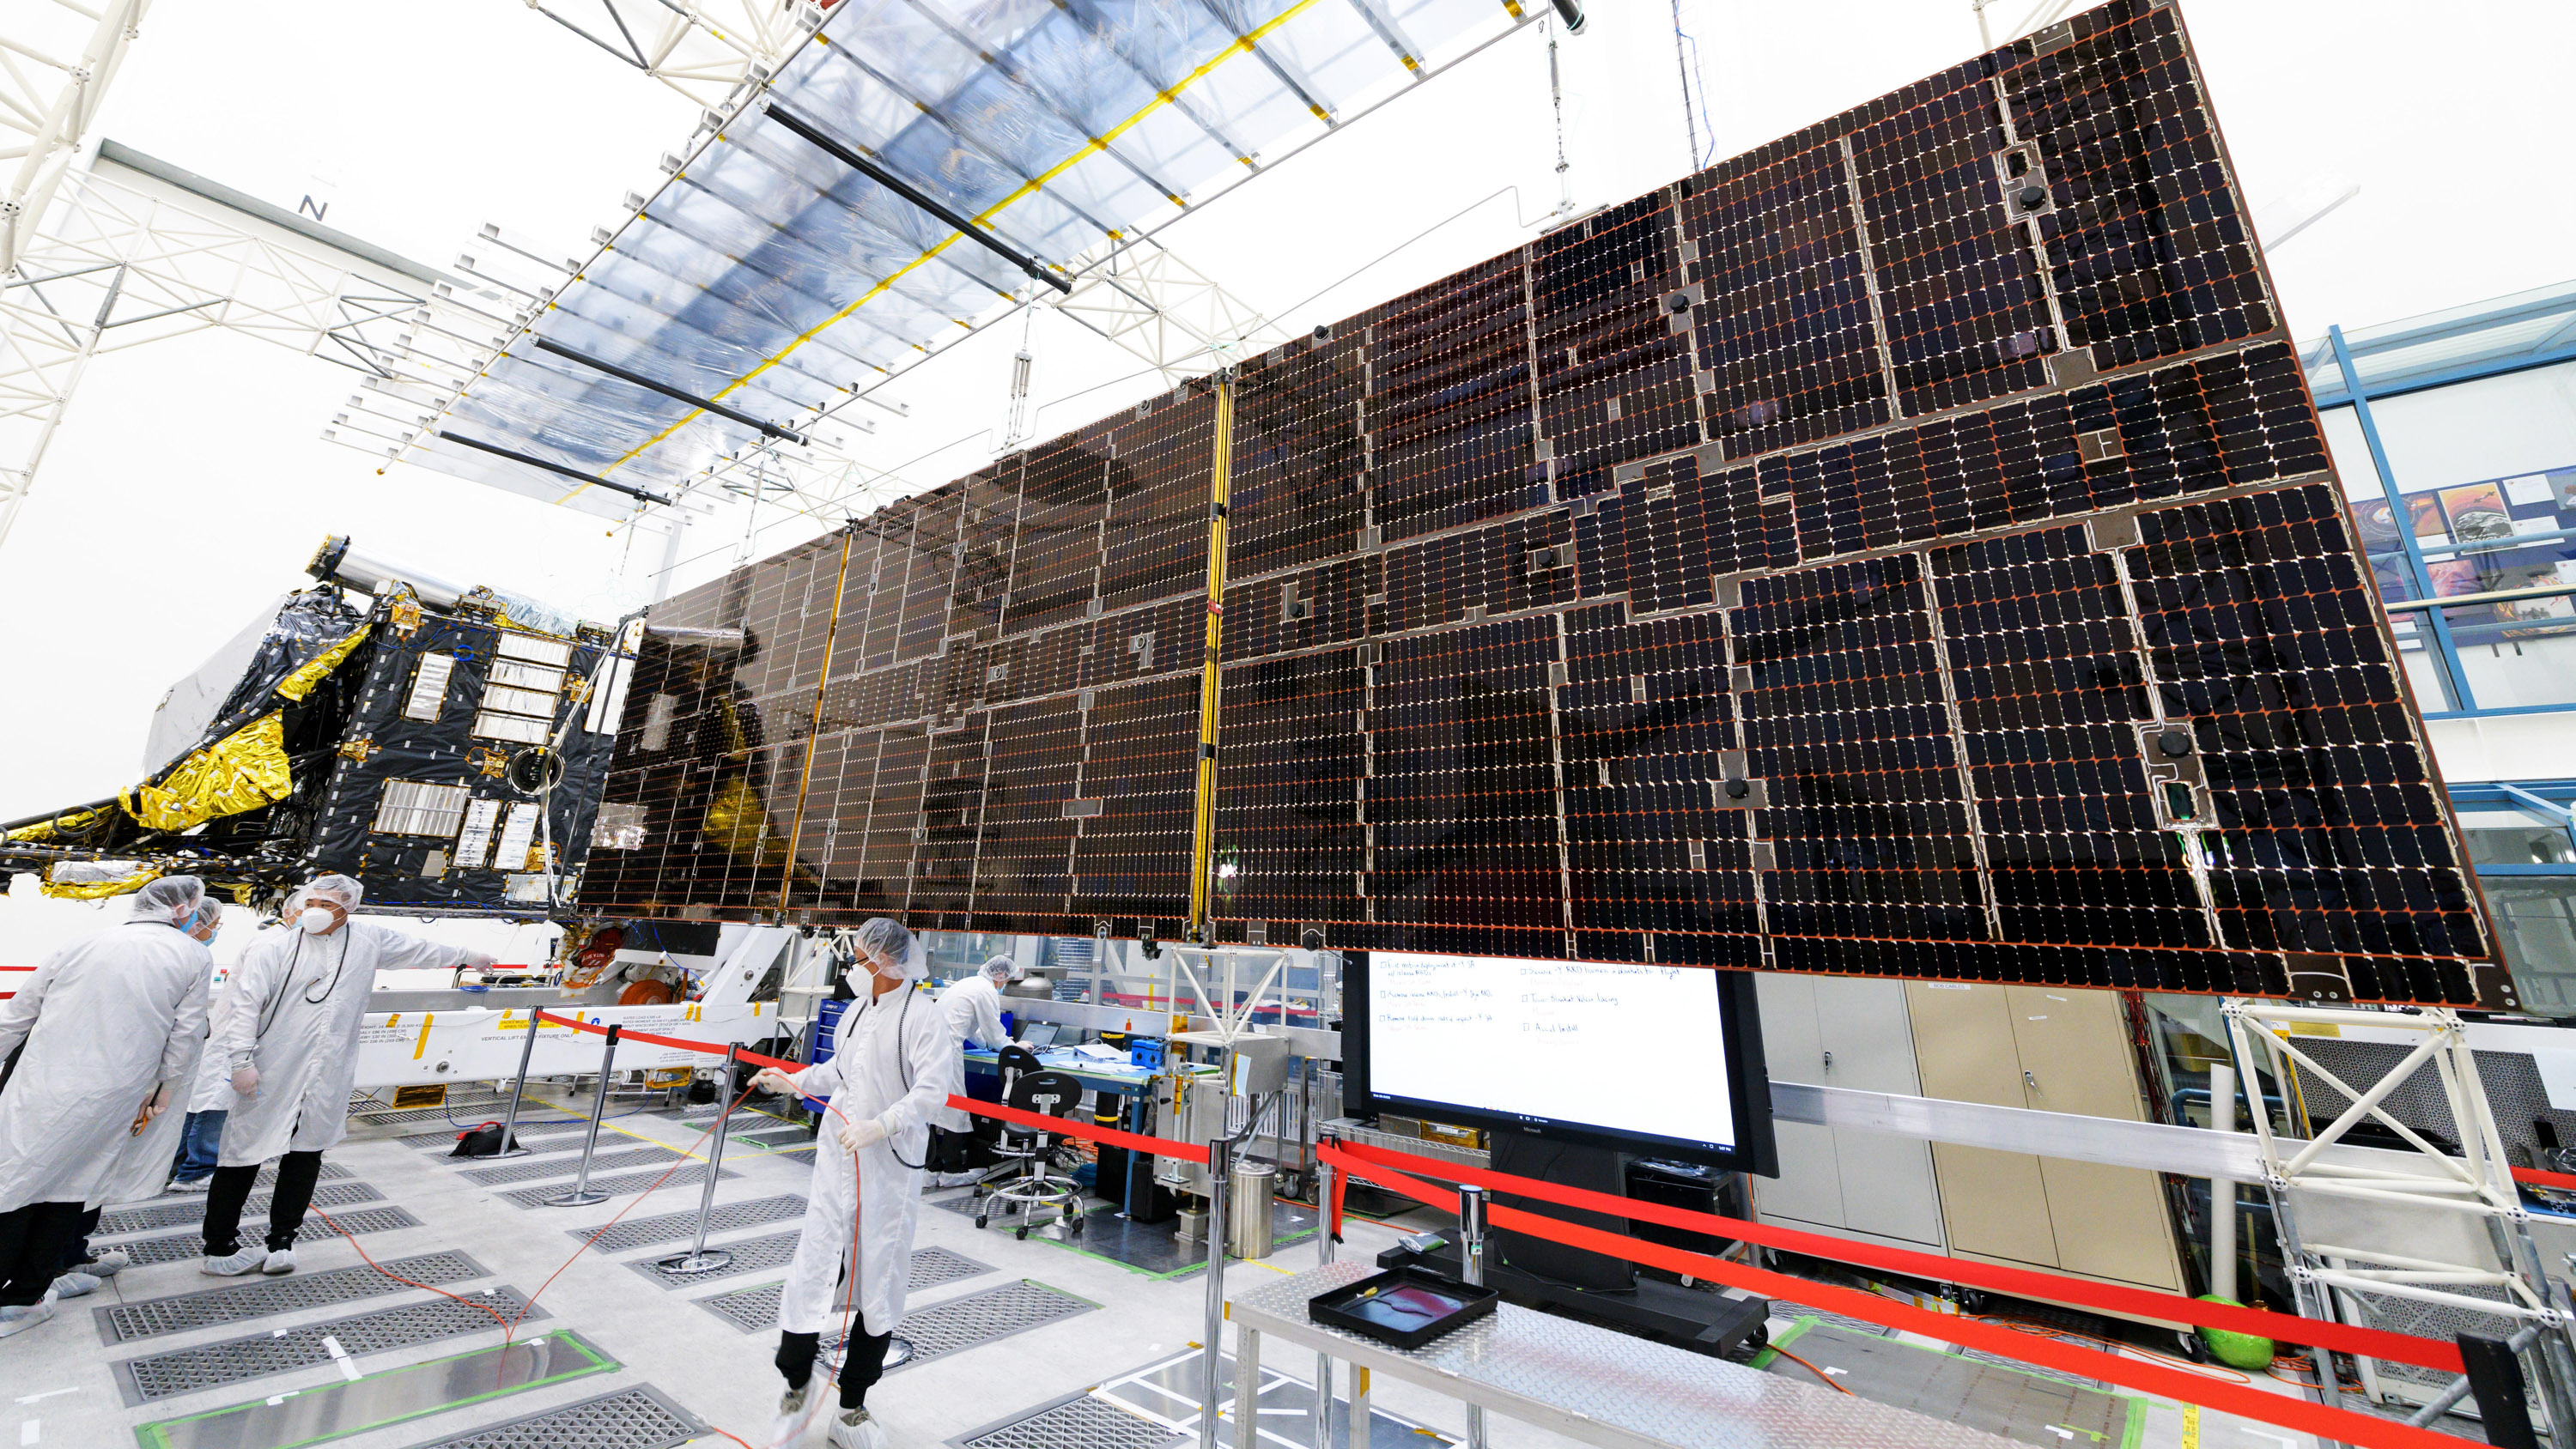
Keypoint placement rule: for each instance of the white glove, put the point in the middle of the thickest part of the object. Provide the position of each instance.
(246, 1081)
(480, 961)
(771, 1079)
(863, 1133)
(157, 1103)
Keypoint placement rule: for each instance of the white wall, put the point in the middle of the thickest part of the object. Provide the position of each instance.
(2497, 427)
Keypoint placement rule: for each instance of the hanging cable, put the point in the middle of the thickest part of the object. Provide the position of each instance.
(1556, 96)
(1690, 123)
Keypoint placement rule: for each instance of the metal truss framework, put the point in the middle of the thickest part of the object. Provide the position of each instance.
(2434, 1234)
(1134, 292)
(127, 258)
(48, 94)
(704, 51)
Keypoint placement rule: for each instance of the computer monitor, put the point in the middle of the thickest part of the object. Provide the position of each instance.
(1659, 1060)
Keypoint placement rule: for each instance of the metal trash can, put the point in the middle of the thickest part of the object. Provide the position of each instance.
(1248, 1215)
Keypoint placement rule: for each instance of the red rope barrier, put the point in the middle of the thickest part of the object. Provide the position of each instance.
(2020, 1282)
(2339, 1425)
(1061, 1126)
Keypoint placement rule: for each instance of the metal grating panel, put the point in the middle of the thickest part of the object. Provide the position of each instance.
(638, 1418)
(187, 1370)
(527, 1131)
(178, 1247)
(772, 1136)
(680, 1175)
(528, 1170)
(679, 1227)
(753, 1309)
(750, 1255)
(1782, 1308)
(1082, 1422)
(126, 1322)
(183, 1212)
(409, 1115)
(981, 1318)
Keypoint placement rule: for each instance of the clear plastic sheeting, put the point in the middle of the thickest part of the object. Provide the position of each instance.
(771, 278)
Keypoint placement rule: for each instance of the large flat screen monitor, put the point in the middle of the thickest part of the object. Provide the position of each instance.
(1659, 1060)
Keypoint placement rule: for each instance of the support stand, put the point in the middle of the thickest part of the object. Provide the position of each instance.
(700, 1258)
(1324, 1258)
(581, 1195)
(510, 1119)
(1471, 1260)
(1220, 1191)
(2426, 1233)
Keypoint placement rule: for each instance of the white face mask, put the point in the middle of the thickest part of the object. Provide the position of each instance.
(316, 920)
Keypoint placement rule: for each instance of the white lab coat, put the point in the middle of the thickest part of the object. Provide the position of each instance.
(299, 1001)
(105, 1021)
(213, 1091)
(880, 1045)
(974, 1011)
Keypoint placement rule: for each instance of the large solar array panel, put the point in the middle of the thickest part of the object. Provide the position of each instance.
(1905, 549)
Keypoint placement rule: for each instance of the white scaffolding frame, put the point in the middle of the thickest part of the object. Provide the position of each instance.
(136, 252)
(2477, 1184)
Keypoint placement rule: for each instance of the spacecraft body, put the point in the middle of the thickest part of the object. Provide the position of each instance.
(445, 745)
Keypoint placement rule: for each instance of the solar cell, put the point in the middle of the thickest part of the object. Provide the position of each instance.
(1908, 548)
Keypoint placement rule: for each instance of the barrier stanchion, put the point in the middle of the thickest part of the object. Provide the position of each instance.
(581, 1195)
(1324, 1259)
(700, 1258)
(1471, 1266)
(1220, 1156)
(510, 1119)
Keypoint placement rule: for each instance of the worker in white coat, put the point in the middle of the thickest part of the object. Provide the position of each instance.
(142, 1160)
(291, 1036)
(108, 1025)
(974, 1010)
(893, 1064)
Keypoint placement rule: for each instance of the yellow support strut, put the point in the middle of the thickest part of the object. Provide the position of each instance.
(1220, 484)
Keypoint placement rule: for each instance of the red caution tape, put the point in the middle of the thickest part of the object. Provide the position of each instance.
(2244, 1400)
(2020, 1282)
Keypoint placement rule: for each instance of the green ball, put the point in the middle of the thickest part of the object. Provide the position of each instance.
(2236, 1350)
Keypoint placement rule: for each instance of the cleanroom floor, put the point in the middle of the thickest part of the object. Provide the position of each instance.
(1021, 1344)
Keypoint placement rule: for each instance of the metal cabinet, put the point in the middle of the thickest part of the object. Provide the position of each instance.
(2050, 1049)
(1840, 1031)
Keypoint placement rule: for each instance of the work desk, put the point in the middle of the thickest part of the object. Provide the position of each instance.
(1586, 1383)
(1124, 1078)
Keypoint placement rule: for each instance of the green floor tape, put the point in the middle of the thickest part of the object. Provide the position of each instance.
(2032, 1408)
(372, 1401)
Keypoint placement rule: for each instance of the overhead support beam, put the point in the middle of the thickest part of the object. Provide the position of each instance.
(1251, 43)
(1116, 44)
(1027, 80)
(709, 405)
(533, 461)
(1406, 52)
(900, 187)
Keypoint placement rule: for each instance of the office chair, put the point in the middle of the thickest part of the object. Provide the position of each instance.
(1052, 1094)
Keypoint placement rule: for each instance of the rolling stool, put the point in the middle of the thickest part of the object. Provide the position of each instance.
(1052, 1094)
